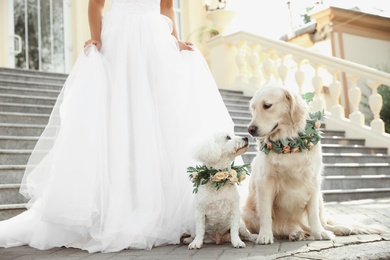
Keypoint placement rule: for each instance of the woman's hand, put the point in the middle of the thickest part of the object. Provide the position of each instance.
(98, 44)
(186, 46)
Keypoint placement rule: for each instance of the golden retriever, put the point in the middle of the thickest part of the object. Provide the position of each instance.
(284, 197)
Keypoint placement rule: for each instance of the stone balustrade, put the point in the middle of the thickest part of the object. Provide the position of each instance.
(243, 61)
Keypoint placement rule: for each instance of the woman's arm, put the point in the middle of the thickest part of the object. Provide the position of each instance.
(166, 8)
(95, 14)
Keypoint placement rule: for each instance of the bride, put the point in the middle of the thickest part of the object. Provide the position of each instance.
(109, 171)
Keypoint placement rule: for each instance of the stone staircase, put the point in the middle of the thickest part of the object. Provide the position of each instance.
(26, 101)
(352, 171)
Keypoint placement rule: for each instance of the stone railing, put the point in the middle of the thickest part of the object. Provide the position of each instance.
(243, 61)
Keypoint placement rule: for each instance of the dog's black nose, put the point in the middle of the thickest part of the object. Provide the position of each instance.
(252, 129)
(245, 139)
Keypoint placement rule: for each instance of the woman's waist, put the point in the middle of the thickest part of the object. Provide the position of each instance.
(135, 7)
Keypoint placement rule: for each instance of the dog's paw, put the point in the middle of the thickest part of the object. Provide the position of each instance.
(253, 238)
(237, 243)
(187, 240)
(297, 235)
(323, 235)
(341, 231)
(196, 244)
(264, 239)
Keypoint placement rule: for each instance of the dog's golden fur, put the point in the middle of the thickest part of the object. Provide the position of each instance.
(284, 198)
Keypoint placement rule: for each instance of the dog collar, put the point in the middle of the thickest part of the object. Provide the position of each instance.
(305, 140)
(201, 175)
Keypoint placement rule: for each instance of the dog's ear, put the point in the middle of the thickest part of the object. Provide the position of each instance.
(209, 151)
(298, 107)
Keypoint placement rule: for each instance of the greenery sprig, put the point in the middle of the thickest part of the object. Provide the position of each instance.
(305, 140)
(201, 175)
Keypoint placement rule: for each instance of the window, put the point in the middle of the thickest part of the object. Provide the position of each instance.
(177, 7)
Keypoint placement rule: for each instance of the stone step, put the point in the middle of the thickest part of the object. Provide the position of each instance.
(341, 140)
(30, 84)
(238, 107)
(235, 96)
(32, 73)
(10, 174)
(241, 120)
(23, 118)
(329, 158)
(335, 148)
(355, 194)
(14, 157)
(236, 101)
(337, 182)
(18, 142)
(30, 92)
(30, 78)
(9, 194)
(21, 129)
(239, 113)
(20, 99)
(26, 108)
(350, 169)
(354, 157)
(10, 210)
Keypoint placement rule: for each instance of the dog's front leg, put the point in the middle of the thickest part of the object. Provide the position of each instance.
(313, 211)
(200, 224)
(265, 199)
(234, 229)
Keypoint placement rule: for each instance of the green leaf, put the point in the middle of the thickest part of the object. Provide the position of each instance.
(308, 96)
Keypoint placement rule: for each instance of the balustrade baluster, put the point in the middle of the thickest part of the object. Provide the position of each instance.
(268, 66)
(254, 62)
(282, 69)
(318, 103)
(355, 95)
(299, 75)
(241, 61)
(336, 110)
(376, 104)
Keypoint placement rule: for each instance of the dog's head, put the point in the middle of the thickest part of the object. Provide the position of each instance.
(219, 150)
(277, 113)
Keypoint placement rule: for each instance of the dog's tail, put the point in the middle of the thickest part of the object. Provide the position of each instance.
(355, 229)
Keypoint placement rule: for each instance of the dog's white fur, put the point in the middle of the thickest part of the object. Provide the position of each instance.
(217, 211)
(284, 198)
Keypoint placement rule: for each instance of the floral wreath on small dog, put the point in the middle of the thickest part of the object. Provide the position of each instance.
(305, 140)
(201, 175)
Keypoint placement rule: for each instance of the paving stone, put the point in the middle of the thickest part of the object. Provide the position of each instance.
(347, 240)
(320, 245)
(376, 250)
(348, 247)
(292, 246)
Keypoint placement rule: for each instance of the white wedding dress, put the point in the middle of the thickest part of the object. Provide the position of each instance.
(109, 171)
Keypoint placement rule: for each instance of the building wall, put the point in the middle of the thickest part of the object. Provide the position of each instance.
(374, 53)
(4, 34)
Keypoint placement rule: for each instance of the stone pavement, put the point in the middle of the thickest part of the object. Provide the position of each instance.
(369, 212)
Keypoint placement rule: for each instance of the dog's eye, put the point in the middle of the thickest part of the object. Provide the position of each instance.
(228, 137)
(267, 106)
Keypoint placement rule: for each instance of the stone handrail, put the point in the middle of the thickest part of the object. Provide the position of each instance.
(244, 61)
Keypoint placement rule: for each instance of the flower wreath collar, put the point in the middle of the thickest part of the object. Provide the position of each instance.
(305, 140)
(201, 175)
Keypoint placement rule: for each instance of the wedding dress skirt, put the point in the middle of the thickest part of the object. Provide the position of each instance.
(109, 171)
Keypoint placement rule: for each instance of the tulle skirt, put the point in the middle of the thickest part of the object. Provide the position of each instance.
(109, 171)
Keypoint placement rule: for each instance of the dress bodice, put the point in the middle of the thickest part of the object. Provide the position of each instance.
(138, 6)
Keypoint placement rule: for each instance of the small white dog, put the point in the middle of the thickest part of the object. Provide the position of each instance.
(284, 197)
(217, 207)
